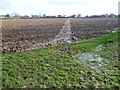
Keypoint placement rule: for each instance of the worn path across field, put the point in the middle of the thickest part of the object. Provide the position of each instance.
(64, 36)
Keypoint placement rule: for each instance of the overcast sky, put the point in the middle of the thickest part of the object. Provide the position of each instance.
(56, 7)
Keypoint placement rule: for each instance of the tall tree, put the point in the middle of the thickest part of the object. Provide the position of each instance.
(7, 15)
(79, 15)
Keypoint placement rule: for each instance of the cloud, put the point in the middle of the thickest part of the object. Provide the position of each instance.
(55, 7)
(4, 5)
(66, 2)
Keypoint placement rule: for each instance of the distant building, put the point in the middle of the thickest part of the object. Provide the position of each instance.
(35, 16)
(25, 17)
(61, 16)
(16, 17)
(5, 17)
(2, 16)
(44, 15)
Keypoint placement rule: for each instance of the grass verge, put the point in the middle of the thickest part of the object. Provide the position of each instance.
(58, 67)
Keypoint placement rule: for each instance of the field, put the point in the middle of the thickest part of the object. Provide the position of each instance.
(90, 60)
(20, 35)
(29, 34)
(93, 27)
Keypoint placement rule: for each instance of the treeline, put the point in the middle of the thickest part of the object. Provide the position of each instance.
(38, 16)
(103, 16)
(17, 16)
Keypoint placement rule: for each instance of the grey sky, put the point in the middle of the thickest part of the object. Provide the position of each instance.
(55, 7)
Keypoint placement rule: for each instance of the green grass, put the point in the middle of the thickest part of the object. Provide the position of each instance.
(58, 66)
(7, 19)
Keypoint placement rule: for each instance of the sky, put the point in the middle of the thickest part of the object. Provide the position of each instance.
(59, 7)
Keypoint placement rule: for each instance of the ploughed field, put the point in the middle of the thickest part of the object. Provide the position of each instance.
(86, 28)
(24, 34)
(20, 35)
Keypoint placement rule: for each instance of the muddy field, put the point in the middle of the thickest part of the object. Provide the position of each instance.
(28, 34)
(86, 28)
(20, 35)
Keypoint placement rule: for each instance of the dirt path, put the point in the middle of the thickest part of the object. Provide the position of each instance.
(65, 36)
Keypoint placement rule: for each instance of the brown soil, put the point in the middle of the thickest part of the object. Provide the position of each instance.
(20, 35)
(86, 28)
(29, 34)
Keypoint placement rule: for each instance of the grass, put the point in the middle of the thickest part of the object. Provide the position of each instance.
(58, 67)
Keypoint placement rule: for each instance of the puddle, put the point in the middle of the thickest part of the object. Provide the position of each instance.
(99, 48)
(91, 59)
(89, 56)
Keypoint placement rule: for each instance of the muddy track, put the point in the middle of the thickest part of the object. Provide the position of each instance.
(65, 36)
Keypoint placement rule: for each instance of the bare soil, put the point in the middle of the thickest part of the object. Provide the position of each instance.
(86, 28)
(29, 34)
(21, 35)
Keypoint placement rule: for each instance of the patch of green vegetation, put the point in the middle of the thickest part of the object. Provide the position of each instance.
(57, 67)
(6, 20)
